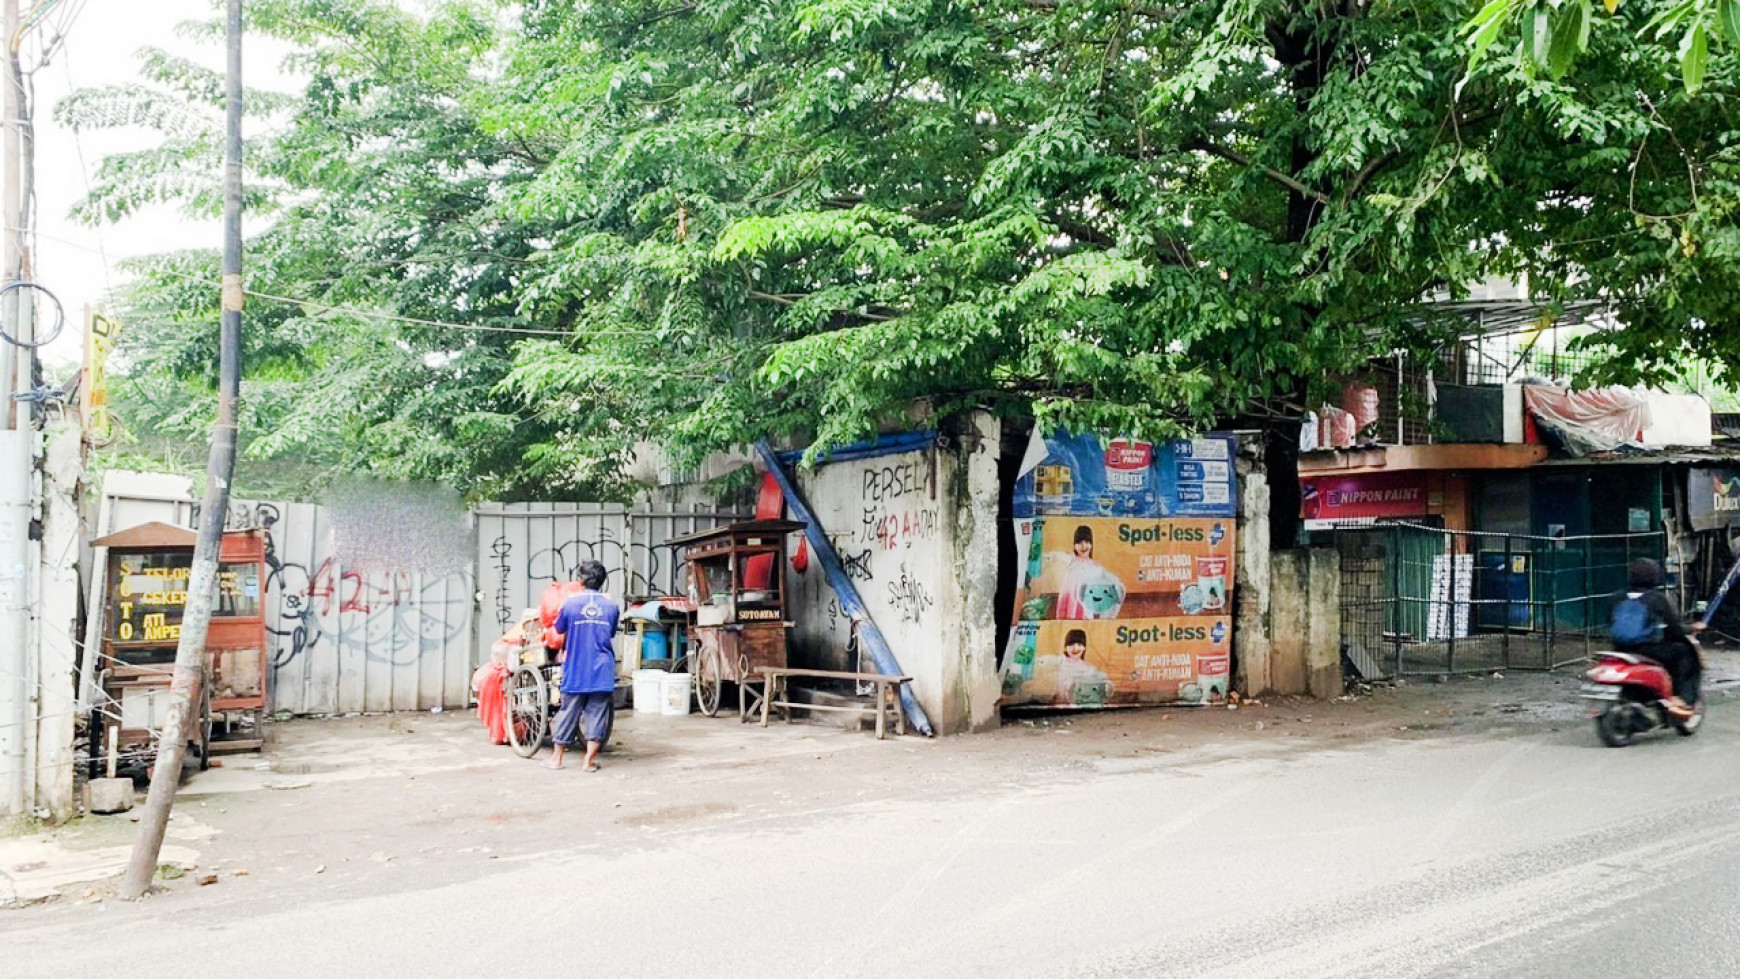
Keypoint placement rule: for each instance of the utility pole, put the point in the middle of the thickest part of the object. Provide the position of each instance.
(190, 659)
(16, 456)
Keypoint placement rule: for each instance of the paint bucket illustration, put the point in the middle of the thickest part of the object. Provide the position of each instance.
(1211, 582)
(1213, 676)
(1128, 465)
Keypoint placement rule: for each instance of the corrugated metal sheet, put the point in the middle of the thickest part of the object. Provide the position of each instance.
(354, 640)
(523, 547)
(350, 639)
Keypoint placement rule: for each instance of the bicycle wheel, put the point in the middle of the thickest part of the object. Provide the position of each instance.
(528, 710)
(709, 678)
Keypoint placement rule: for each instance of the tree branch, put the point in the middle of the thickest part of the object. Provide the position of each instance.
(1151, 13)
(1277, 176)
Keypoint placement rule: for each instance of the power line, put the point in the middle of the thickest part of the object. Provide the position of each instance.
(364, 313)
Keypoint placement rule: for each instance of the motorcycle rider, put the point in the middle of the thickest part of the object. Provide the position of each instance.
(1673, 646)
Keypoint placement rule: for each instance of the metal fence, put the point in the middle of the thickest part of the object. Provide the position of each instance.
(1422, 600)
(523, 547)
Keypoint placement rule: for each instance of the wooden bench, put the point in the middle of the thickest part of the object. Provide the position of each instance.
(776, 695)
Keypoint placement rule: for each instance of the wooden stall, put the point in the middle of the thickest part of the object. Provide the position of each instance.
(144, 598)
(737, 582)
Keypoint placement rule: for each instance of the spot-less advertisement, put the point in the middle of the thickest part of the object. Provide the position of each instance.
(1085, 475)
(1121, 611)
(1119, 662)
(1135, 568)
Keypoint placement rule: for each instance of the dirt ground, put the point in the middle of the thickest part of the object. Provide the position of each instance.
(351, 804)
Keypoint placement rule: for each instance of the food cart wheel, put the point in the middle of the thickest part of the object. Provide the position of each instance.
(528, 710)
(709, 677)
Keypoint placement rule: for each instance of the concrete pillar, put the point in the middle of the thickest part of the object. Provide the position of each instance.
(1289, 613)
(1323, 627)
(972, 684)
(57, 618)
(1251, 569)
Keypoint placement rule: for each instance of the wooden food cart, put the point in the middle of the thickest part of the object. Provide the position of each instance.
(737, 582)
(144, 597)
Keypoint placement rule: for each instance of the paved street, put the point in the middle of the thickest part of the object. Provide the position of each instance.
(1472, 829)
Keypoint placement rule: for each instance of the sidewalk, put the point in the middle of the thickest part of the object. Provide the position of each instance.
(357, 802)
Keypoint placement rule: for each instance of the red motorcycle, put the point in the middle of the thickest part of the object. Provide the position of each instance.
(1628, 696)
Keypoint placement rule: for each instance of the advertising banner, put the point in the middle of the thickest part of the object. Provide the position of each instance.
(1083, 475)
(1713, 498)
(1134, 568)
(1121, 611)
(1109, 663)
(1124, 593)
(1363, 497)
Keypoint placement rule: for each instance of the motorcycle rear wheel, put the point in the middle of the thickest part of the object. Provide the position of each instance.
(1613, 725)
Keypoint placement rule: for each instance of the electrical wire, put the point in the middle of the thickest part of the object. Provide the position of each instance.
(370, 314)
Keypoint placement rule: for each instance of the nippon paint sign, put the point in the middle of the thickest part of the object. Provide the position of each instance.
(1367, 496)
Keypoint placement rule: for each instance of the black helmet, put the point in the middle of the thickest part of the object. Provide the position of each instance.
(1644, 573)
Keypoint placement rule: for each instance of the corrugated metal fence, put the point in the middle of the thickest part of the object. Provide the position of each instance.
(348, 639)
(523, 547)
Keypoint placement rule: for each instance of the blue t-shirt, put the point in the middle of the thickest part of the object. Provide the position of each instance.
(587, 621)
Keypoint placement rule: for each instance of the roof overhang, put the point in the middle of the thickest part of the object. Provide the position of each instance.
(1411, 458)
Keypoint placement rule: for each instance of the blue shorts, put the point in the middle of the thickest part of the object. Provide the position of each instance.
(588, 714)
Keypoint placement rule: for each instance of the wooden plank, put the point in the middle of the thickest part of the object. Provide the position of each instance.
(832, 674)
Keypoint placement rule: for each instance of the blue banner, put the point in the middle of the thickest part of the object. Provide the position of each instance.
(1084, 476)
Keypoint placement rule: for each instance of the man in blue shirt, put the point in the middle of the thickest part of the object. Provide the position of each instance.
(587, 622)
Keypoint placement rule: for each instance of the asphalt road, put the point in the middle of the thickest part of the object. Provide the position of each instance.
(1520, 850)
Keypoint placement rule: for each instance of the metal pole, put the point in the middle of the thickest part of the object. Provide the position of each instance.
(1588, 590)
(1396, 594)
(15, 447)
(190, 657)
(1509, 588)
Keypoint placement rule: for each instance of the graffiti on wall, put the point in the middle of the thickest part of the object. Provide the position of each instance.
(386, 616)
(899, 505)
(240, 515)
(908, 596)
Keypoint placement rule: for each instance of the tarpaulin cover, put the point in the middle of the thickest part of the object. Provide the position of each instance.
(1599, 420)
(486, 683)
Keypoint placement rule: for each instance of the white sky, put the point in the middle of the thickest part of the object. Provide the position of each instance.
(77, 262)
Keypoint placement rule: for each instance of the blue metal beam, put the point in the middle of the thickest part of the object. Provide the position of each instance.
(845, 590)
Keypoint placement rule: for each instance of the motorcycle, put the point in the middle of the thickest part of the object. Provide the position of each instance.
(1628, 696)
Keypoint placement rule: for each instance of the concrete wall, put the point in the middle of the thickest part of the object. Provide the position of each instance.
(57, 617)
(917, 532)
(1305, 621)
(1252, 635)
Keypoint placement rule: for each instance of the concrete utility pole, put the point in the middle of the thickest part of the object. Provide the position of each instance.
(190, 660)
(15, 441)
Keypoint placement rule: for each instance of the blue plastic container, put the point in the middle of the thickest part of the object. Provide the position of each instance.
(655, 646)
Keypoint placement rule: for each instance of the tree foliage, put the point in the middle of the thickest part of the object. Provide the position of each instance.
(800, 218)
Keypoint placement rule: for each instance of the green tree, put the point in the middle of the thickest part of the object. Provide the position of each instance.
(381, 194)
(802, 218)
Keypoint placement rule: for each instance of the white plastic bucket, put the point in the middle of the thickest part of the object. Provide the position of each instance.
(649, 695)
(675, 700)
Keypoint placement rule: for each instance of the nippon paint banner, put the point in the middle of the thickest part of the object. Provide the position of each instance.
(1713, 498)
(1120, 662)
(1363, 496)
(1085, 475)
(1123, 568)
